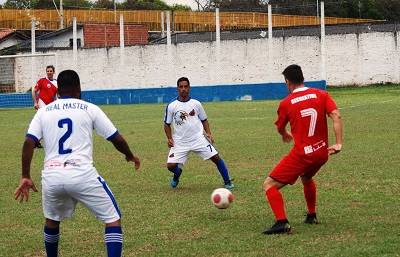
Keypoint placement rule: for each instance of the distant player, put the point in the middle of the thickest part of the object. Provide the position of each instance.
(189, 121)
(47, 88)
(68, 176)
(306, 110)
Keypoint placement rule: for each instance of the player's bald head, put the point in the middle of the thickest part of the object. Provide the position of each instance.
(69, 83)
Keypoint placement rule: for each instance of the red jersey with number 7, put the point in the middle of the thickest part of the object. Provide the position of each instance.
(306, 110)
(47, 90)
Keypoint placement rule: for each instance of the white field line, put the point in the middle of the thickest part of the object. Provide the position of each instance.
(359, 105)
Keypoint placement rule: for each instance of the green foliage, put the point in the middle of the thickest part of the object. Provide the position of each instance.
(105, 4)
(146, 5)
(357, 201)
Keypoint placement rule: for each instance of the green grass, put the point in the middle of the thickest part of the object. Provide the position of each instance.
(358, 189)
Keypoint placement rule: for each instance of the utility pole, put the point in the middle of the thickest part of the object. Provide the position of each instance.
(61, 15)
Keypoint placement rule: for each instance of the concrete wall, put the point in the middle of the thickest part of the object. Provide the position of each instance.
(360, 59)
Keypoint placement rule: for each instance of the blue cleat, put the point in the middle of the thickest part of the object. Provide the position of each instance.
(174, 183)
(229, 185)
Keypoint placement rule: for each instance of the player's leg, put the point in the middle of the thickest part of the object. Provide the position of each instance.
(286, 172)
(57, 205)
(51, 237)
(277, 205)
(223, 170)
(310, 190)
(176, 169)
(97, 197)
(310, 195)
(177, 157)
(113, 238)
(203, 148)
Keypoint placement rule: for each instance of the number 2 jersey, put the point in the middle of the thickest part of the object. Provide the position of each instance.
(66, 126)
(306, 110)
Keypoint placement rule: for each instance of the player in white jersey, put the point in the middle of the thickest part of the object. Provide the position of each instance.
(189, 121)
(68, 176)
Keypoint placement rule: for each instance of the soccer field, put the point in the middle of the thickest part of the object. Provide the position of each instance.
(357, 190)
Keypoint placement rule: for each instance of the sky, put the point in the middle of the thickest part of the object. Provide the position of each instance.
(190, 3)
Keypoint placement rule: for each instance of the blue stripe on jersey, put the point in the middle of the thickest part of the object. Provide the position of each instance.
(166, 111)
(32, 136)
(113, 135)
(110, 194)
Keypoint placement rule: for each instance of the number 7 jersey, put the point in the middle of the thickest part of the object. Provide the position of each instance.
(66, 127)
(306, 110)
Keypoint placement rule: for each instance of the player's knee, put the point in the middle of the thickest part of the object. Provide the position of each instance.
(215, 159)
(171, 166)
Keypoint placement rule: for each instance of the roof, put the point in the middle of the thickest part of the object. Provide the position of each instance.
(9, 33)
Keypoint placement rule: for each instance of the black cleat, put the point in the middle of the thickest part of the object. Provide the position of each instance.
(38, 145)
(280, 227)
(311, 219)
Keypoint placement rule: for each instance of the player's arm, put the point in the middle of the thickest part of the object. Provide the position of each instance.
(22, 191)
(286, 135)
(337, 128)
(34, 91)
(206, 127)
(122, 146)
(168, 133)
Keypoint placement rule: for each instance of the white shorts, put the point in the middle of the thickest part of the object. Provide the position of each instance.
(59, 200)
(41, 104)
(201, 147)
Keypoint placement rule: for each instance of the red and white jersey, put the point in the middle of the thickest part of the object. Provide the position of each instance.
(47, 90)
(186, 118)
(66, 127)
(306, 110)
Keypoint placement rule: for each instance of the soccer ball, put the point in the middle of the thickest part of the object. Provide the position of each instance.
(221, 198)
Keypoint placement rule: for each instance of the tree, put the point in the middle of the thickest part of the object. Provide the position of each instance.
(390, 9)
(21, 4)
(146, 5)
(45, 4)
(104, 4)
(75, 4)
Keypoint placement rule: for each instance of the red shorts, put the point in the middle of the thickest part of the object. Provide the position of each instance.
(293, 166)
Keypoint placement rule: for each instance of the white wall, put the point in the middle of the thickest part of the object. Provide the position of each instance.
(358, 59)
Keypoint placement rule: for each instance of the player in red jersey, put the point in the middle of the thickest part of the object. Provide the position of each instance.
(306, 110)
(47, 88)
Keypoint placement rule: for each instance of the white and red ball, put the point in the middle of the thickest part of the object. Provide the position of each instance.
(221, 198)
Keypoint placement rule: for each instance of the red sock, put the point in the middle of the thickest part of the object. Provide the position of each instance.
(310, 194)
(276, 202)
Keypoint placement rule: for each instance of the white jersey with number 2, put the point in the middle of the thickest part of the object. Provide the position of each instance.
(66, 126)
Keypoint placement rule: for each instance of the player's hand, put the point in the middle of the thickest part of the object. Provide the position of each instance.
(287, 137)
(334, 149)
(170, 143)
(210, 138)
(22, 191)
(134, 159)
(36, 106)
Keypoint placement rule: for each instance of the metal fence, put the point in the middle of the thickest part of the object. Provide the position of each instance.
(180, 20)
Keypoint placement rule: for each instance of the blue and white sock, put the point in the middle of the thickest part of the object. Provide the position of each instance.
(51, 238)
(113, 238)
(223, 170)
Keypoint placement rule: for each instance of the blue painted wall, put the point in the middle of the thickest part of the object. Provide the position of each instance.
(263, 91)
